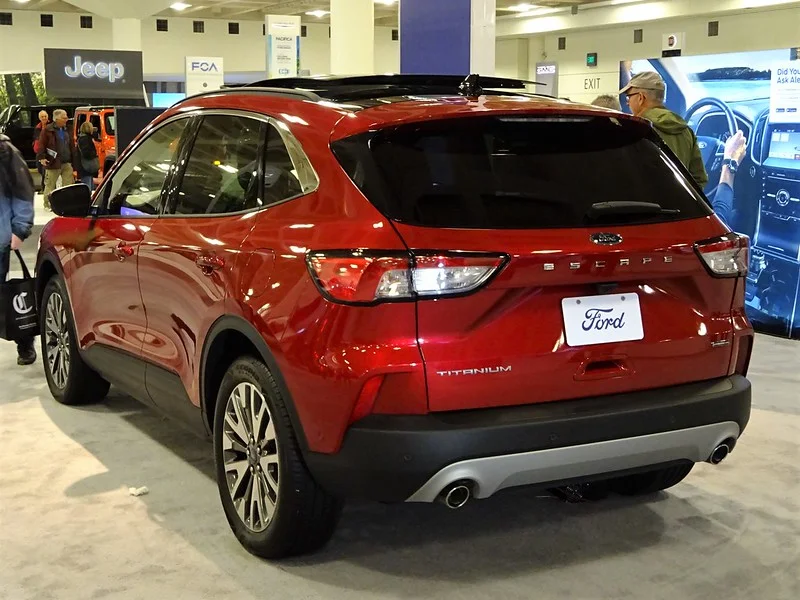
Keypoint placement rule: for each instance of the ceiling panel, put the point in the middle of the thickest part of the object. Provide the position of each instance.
(256, 9)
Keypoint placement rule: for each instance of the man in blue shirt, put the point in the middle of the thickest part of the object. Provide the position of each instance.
(16, 220)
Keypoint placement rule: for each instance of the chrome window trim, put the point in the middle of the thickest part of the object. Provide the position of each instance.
(306, 173)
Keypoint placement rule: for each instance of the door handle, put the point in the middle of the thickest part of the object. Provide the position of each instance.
(208, 263)
(123, 251)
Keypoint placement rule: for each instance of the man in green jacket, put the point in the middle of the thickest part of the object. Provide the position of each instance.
(646, 93)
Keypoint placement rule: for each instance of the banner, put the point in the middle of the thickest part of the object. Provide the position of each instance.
(757, 93)
(547, 74)
(100, 74)
(204, 74)
(283, 46)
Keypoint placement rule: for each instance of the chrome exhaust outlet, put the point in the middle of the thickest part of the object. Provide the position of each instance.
(719, 454)
(456, 495)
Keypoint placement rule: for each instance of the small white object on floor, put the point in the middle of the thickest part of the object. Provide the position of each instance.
(138, 491)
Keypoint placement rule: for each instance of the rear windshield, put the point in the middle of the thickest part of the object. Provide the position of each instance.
(512, 172)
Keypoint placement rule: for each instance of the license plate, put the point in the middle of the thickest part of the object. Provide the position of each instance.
(602, 319)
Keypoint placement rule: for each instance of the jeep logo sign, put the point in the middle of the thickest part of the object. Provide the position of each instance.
(99, 76)
(113, 71)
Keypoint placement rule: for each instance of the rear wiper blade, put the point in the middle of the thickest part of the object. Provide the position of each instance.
(626, 207)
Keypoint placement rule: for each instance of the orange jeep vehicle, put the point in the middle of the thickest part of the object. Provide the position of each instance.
(104, 120)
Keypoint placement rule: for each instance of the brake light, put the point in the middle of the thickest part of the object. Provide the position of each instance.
(359, 277)
(726, 256)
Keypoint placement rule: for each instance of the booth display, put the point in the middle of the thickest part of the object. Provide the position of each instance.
(759, 94)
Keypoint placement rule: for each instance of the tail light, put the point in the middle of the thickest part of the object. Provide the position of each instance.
(360, 277)
(726, 256)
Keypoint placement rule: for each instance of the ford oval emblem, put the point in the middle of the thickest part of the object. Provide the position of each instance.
(606, 239)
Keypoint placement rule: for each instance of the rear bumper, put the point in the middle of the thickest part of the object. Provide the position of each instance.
(398, 458)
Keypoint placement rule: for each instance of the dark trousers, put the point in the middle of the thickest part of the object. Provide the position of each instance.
(5, 259)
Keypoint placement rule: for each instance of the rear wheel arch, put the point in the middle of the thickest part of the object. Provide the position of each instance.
(230, 338)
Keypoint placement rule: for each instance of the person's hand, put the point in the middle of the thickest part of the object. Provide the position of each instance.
(16, 242)
(736, 147)
(43, 161)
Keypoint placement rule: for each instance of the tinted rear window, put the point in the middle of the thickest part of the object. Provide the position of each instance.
(512, 172)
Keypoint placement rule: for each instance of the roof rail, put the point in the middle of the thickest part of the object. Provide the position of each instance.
(254, 89)
(374, 86)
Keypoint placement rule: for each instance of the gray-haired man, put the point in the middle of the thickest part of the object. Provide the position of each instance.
(56, 149)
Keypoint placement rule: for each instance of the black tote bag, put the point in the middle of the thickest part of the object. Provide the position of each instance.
(19, 319)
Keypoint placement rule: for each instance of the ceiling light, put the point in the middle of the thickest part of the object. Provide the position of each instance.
(22, 1)
(318, 13)
(386, 2)
(525, 7)
(180, 6)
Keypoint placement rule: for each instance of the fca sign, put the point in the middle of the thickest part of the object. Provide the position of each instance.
(206, 67)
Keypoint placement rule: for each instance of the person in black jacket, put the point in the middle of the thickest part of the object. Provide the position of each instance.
(86, 161)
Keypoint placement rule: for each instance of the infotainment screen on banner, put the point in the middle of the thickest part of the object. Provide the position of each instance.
(785, 144)
(757, 93)
(89, 74)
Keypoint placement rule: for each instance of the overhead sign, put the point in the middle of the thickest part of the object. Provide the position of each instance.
(283, 46)
(90, 74)
(204, 74)
(547, 74)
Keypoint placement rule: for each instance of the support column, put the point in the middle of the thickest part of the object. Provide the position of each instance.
(352, 37)
(448, 37)
(126, 34)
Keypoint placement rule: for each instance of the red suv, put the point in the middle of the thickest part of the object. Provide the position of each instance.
(403, 290)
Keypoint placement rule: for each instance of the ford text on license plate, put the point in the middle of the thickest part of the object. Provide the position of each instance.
(602, 319)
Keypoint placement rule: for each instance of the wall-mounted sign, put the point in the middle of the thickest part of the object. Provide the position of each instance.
(283, 46)
(86, 74)
(672, 44)
(547, 74)
(591, 59)
(204, 74)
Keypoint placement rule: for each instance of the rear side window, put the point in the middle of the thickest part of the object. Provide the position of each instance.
(518, 172)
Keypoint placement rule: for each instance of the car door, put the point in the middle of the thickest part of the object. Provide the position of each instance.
(102, 270)
(188, 257)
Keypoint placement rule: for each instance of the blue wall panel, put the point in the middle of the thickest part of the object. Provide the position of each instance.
(435, 36)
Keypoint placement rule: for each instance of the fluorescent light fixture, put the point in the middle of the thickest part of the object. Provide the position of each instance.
(386, 2)
(524, 7)
(180, 6)
(318, 13)
(22, 1)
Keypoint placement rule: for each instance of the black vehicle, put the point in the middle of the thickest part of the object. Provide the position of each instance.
(19, 122)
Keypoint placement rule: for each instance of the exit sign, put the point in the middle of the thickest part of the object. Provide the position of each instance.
(591, 59)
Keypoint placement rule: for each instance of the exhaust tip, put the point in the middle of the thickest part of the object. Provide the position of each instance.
(719, 454)
(456, 495)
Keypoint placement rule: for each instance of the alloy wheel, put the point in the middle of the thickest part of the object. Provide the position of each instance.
(57, 341)
(250, 456)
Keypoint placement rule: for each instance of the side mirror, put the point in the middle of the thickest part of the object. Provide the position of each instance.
(71, 201)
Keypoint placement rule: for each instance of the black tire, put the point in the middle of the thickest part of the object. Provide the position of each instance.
(82, 385)
(650, 482)
(305, 516)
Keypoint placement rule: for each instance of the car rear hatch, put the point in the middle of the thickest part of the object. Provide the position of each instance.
(574, 258)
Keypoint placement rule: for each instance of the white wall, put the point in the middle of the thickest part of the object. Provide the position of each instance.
(22, 45)
(750, 31)
(511, 58)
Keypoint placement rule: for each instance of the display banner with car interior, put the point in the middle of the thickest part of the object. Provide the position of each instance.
(757, 93)
(109, 74)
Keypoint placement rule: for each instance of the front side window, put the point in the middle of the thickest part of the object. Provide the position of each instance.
(135, 189)
(221, 174)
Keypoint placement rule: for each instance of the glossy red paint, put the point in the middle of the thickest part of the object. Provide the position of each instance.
(185, 273)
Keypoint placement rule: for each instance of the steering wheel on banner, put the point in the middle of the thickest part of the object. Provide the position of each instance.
(712, 149)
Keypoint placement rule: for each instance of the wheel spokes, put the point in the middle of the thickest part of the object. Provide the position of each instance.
(250, 455)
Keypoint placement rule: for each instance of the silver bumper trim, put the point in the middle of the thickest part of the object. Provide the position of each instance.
(495, 473)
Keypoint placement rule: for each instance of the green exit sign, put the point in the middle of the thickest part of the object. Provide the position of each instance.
(591, 59)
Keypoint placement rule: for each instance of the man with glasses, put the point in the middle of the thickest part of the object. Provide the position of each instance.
(646, 93)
